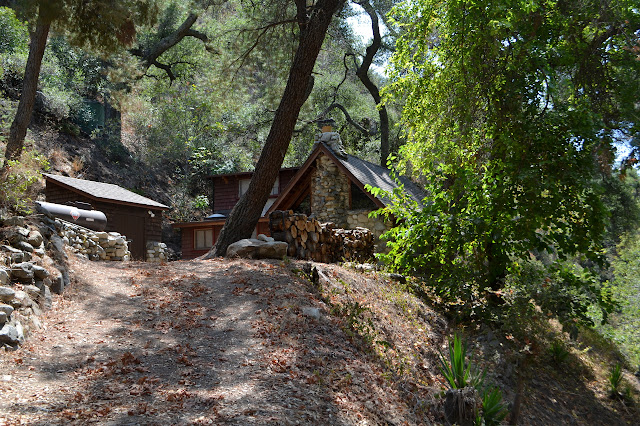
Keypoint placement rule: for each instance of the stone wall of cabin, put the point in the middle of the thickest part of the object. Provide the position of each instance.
(377, 225)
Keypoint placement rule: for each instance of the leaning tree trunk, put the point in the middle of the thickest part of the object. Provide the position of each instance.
(22, 119)
(245, 214)
(363, 74)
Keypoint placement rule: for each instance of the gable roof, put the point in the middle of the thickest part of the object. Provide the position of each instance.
(360, 172)
(104, 191)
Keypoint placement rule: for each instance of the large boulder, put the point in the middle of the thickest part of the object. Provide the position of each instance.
(6, 294)
(13, 221)
(15, 255)
(21, 299)
(256, 249)
(46, 301)
(6, 309)
(24, 246)
(32, 291)
(35, 238)
(17, 233)
(9, 335)
(272, 250)
(39, 272)
(59, 281)
(57, 248)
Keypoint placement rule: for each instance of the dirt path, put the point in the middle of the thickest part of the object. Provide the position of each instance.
(198, 342)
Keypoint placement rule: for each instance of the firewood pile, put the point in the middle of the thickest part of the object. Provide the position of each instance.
(321, 242)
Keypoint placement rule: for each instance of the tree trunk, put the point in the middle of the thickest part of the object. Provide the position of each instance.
(22, 119)
(363, 74)
(245, 214)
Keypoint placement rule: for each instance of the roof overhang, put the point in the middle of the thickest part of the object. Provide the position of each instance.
(101, 199)
(208, 223)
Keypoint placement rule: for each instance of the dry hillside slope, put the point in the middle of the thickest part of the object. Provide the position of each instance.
(255, 342)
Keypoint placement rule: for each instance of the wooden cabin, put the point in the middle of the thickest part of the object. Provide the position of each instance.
(198, 237)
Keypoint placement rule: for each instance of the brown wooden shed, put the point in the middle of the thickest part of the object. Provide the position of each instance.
(137, 217)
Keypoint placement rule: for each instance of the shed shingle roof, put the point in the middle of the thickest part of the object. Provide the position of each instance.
(105, 191)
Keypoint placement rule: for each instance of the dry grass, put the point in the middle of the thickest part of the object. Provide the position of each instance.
(77, 166)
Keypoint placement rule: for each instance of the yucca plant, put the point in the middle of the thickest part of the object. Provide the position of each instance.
(493, 410)
(457, 371)
(615, 379)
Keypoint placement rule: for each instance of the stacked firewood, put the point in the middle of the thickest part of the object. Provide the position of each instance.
(322, 242)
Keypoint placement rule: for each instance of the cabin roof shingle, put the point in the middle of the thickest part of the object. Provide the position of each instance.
(379, 177)
(105, 191)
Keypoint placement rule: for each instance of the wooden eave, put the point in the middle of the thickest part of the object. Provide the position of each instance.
(243, 174)
(208, 223)
(297, 179)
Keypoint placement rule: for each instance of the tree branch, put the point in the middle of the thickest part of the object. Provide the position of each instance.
(262, 32)
(150, 55)
(347, 116)
(363, 74)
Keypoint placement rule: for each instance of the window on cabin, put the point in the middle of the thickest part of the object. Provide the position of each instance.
(244, 185)
(360, 200)
(204, 239)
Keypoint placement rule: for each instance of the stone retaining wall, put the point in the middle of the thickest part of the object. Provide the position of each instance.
(94, 244)
(156, 252)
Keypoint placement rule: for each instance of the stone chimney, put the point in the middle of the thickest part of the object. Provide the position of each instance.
(330, 138)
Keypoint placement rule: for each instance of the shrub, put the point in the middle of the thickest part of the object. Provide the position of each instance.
(21, 181)
(14, 33)
(558, 352)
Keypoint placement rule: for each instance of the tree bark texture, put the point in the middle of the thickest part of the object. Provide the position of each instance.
(18, 131)
(363, 74)
(245, 214)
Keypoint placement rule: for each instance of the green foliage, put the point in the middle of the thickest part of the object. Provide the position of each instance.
(493, 409)
(623, 326)
(615, 380)
(13, 45)
(22, 182)
(357, 319)
(512, 109)
(461, 373)
(14, 33)
(201, 202)
(104, 26)
(558, 352)
(621, 192)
